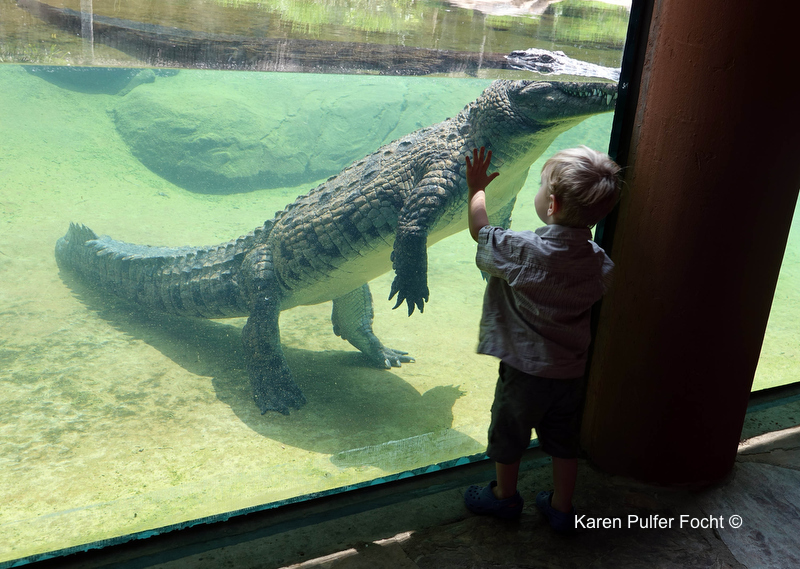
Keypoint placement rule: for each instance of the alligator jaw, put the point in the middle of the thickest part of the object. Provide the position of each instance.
(546, 102)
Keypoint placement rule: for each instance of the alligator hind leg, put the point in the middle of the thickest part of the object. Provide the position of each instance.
(273, 386)
(352, 321)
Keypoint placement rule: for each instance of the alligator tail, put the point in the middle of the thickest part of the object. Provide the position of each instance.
(190, 281)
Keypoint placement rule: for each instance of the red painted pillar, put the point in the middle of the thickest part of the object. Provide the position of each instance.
(713, 177)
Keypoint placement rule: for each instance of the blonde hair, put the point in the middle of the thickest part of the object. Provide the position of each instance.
(585, 183)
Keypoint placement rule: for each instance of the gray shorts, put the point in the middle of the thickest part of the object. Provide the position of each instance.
(523, 402)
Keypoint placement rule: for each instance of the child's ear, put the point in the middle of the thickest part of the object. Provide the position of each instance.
(554, 205)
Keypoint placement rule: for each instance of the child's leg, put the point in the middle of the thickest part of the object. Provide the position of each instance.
(565, 475)
(506, 480)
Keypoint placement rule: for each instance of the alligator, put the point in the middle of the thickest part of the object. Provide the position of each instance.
(378, 214)
(558, 63)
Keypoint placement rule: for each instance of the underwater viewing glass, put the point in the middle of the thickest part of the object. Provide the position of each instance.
(186, 124)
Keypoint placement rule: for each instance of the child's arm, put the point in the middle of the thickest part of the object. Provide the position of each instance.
(477, 180)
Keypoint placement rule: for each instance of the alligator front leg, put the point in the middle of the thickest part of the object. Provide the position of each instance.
(274, 388)
(410, 263)
(424, 206)
(352, 320)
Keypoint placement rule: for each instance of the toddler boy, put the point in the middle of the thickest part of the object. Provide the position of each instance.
(536, 313)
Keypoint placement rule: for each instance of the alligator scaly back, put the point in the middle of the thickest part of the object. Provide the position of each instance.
(189, 281)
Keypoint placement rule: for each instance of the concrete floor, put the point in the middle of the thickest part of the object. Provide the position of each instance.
(422, 523)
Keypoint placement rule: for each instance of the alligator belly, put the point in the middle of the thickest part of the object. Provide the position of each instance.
(330, 278)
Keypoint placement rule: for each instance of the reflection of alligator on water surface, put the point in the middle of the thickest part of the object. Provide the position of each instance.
(162, 46)
(558, 63)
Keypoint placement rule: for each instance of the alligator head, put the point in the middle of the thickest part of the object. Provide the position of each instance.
(512, 109)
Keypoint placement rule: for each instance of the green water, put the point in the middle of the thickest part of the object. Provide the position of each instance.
(117, 421)
(779, 363)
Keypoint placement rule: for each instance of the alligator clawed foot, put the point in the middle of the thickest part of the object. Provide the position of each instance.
(413, 295)
(393, 358)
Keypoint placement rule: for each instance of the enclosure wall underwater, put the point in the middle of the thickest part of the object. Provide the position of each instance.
(189, 124)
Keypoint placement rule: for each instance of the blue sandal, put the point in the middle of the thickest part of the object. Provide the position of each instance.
(481, 500)
(560, 521)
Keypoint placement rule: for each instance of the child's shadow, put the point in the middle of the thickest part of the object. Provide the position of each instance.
(349, 404)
